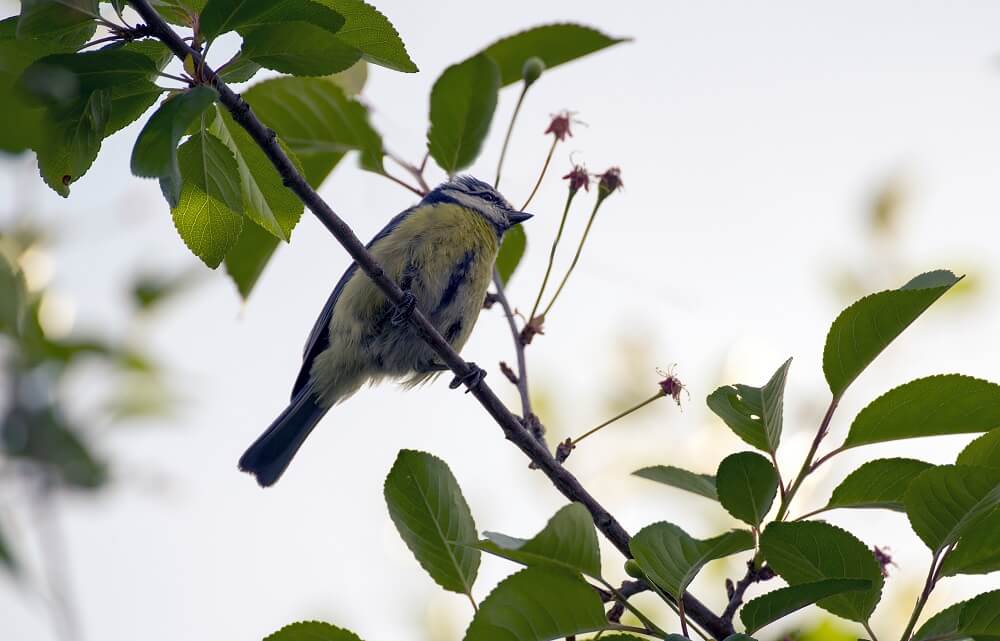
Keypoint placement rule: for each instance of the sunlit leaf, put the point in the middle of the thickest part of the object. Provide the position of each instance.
(555, 44)
(433, 519)
(537, 604)
(463, 100)
(867, 327)
(700, 484)
(754, 413)
(932, 406)
(810, 551)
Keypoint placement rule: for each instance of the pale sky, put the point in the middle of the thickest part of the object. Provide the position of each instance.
(751, 137)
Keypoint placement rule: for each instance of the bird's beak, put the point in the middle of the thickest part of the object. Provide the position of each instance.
(518, 217)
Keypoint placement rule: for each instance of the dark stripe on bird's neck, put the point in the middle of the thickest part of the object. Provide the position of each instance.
(459, 274)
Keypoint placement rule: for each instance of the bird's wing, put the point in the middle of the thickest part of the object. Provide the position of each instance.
(319, 337)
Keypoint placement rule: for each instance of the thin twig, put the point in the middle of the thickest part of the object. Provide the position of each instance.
(753, 575)
(510, 130)
(552, 254)
(410, 168)
(576, 257)
(932, 577)
(545, 167)
(807, 464)
(618, 416)
(522, 369)
(562, 479)
(403, 183)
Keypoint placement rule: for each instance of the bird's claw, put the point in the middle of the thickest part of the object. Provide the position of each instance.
(474, 377)
(401, 313)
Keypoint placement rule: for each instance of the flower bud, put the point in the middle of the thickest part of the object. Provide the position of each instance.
(633, 570)
(532, 70)
(609, 182)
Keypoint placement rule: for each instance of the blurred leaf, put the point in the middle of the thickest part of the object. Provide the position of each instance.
(780, 603)
(984, 451)
(754, 413)
(433, 519)
(864, 329)
(537, 604)
(318, 122)
(746, 483)
(740, 637)
(810, 551)
(555, 44)
(880, 483)
(155, 152)
(151, 289)
(371, 33)
(207, 215)
(945, 502)
(932, 406)
(239, 69)
(43, 437)
(54, 18)
(221, 16)
(312, 631)
(567, 541)
(88, 71)
(700, 484)
(975, 619)
(72, 140)
(511, 251)
(352, 80)
(13, 295)
(672, 558)
(298, 48)
(265, 198)
(6, 555)
(978, 551)
(463, 100)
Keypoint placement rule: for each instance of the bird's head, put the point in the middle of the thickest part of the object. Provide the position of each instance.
(479, 197)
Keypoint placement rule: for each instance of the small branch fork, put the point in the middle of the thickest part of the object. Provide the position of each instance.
(513, 430)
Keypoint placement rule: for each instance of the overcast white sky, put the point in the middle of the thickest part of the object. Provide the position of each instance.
(751, 137)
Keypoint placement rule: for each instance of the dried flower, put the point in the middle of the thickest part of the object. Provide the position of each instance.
(564, 449)
(671, 385)
(609, 182)
(884, 559)
(559, 127)
(578, 177)
(532, 328)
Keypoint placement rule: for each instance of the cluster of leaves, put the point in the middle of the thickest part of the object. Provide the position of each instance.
(953, 509)
(42, 443)
(227, 201)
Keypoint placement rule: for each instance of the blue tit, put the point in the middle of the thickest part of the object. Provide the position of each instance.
(441, 251)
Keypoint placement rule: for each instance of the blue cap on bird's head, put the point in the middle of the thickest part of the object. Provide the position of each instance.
(481, 198)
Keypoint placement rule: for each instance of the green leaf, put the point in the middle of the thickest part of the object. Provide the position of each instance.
(131, 99)
(537, 604)
(512, 248)
(932, 406)
(206, 215)
(945, 502)
(265, 198)
(978, 551)
(54, 18)
(298, 48)
(462, 103)
(568, 541)
(867, 327)
(672, 558)
(433, 519)
(245, 262)
(352, 80)
(372, 34)
(780, 603)
(221, 16)
(318, 122)
(72, 140)
(983, 452)
(880, 483)
(754, 413)
(555, 44)
(239, 69)
(975, 620)
(700, 484)
(810, 551)
(6, 556)
(746, 483)
(77, 74)
(312, 631)
(155, 152)
(179, 12)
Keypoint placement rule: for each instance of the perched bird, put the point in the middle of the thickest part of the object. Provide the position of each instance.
(441, 252)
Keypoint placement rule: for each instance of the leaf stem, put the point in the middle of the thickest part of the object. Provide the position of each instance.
(932, 577)
(611, 420)
(576, 257)
(621, 598)
(413, 170)
(619, 627)
(403, 183)
(545, 167)
(869, 630)
(510, 130)
(552, 255)
(807, 467)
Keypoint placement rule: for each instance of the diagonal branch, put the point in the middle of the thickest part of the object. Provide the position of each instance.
(512, 428)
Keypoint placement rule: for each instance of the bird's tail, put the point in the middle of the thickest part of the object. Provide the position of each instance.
(271, 453)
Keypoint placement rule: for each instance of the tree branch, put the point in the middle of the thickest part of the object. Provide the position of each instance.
(513, 431)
